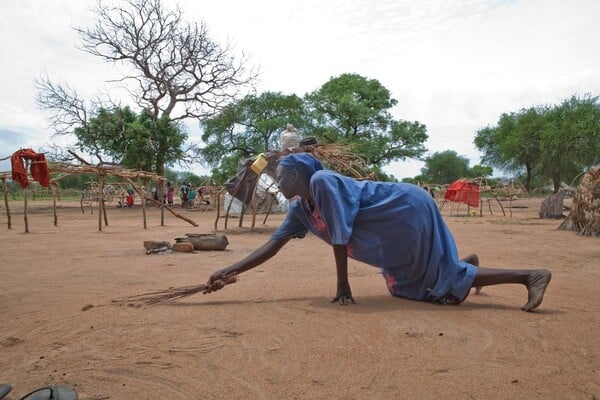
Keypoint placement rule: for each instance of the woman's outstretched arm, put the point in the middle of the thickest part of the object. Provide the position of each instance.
(254, 259)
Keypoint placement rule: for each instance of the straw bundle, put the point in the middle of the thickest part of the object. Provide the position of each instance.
(337, 157)
(340, 158)
(585, 216)
(174, 294)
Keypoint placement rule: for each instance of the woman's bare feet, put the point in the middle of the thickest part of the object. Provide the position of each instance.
(473, 259)
(536, 284)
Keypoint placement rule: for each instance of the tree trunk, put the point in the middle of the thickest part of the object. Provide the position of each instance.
(556, 181)
(528, 178)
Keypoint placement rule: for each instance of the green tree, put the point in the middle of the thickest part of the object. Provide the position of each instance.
(570, 141)
(445, 167)
(123, 137)
(353, 110)
(556, 142)
(514, 144)
(249, 127)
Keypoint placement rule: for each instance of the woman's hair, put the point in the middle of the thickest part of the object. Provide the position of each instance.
(305, 163)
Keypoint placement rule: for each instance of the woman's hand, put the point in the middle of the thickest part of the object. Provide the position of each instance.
(215, 276)
(218, 280)
(344, 294)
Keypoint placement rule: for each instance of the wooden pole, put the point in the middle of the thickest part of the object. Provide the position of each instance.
(270, 208)
(103, 205)
(5, 190)
(100, 196)
(143, 207)
(219, 209)
(253, 203)
(163, 199)
(501, 207)
(25, 218)
(442, 205)
(54, 186)
(81, 196)
(242, 213)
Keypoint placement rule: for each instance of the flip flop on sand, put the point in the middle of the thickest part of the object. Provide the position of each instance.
(53, 392)
(4, 390)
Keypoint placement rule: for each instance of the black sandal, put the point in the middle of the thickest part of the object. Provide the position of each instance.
(52, 392)
(4, 390)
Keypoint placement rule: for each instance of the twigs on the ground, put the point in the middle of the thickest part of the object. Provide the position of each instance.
(173, 294)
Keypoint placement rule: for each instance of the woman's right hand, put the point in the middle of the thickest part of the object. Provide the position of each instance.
(215, 276)
(218, 280)
(228, 275)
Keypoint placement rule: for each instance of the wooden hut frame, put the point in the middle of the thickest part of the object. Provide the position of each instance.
(507, 191)
(102, 171)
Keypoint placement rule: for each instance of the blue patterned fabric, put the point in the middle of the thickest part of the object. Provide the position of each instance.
(394, 226)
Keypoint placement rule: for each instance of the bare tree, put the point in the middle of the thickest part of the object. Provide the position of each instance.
(173, 63)
(177, 70)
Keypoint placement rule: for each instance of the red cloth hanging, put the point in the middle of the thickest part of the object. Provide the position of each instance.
(39, 167)
(461, 191)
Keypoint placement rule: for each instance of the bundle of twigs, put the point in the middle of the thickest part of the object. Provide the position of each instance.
(177, 293)
(585, 215)
(341, 158)
(335, 156)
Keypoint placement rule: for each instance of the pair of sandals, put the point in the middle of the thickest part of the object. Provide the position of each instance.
(52, 392)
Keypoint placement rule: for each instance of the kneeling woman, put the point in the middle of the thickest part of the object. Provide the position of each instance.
(396, 227)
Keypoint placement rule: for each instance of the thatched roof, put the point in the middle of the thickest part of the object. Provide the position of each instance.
(585, 216)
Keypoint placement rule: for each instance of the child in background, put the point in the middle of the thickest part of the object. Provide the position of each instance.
(191, 197)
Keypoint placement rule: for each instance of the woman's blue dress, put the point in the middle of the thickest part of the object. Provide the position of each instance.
(394, 226)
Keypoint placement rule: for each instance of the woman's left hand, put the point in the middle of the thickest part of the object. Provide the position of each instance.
(344, 294)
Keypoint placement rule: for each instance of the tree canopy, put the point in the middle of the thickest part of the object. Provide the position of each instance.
(514, 144)
(444, 167)
(132, 140)
(557, 142)
(249, 127)
(570, 140)
(351, 109)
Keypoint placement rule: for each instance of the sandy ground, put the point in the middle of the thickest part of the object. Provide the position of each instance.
(274, 334)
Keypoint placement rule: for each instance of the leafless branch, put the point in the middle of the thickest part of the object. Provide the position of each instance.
(178, 70)
(68, 110)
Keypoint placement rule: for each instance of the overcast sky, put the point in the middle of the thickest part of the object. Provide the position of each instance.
(454, 66)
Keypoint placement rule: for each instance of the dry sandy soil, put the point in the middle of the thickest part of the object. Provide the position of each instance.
(274, 334)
